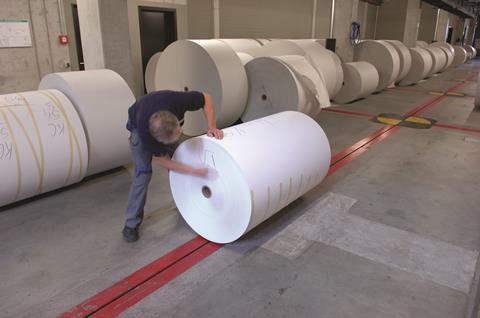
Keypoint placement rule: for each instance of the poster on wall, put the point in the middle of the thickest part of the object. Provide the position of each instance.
(15, 33)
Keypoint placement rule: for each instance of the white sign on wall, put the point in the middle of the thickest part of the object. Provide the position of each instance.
(15, 33)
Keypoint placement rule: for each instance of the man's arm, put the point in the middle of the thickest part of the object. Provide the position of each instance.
(170, 164)
(209, 110)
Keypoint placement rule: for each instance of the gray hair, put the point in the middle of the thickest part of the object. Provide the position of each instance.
(163, 126)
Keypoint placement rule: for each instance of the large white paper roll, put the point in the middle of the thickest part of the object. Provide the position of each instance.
(405, 58)
(383, 56)
(421, 66)
(323, 60)
(273, 87)
(210, 66)
(461, 56)
(244, 58)
(311, 80)
(472, 52)
(42, 144)
(422, 44)
(256, 170)
(448, 50)
(102, 99)
(150, 72)
(249, 46)
(360, 79)
(439, 59)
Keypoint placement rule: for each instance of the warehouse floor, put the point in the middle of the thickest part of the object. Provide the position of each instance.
(393, 231)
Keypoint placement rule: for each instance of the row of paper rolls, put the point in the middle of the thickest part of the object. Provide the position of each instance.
(72, 127)
(251, 78)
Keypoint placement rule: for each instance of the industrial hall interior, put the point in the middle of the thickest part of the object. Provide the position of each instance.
(240, 158)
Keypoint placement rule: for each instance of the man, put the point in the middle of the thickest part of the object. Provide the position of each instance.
(154, 122)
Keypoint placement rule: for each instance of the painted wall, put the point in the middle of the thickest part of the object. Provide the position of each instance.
(442, 26)
(367, 16)
(428, 22)
(22, 68)
(391, 20)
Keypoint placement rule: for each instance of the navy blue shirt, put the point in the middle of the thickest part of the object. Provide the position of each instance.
(178, 103)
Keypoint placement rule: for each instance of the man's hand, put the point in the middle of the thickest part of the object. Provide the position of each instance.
(201, 172)
(215, 132)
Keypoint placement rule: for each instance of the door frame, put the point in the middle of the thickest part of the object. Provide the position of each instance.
(134, 29)
(155, 9)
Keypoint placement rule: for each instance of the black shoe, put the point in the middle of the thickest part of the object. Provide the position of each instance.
(130, 234)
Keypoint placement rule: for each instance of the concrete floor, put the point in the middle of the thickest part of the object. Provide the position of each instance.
(395, 233)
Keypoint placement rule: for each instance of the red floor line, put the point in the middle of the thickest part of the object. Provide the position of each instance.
(336, 110)
(124, 294)
(121, 304)
(139, 277)
(455, 127)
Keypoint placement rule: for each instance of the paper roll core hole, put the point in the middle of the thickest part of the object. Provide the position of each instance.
(185, 88)
(207, 193)
(264, 97)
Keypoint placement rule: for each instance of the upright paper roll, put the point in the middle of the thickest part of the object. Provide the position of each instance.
(439, 59)
(461, 56)
(256, 170)
(244, 58)
(422, 44)
(472, 52)
(42, 144)
(102, 99)
(249, 46)
(311, 81)
(360, 79)
(322, 59)
(273, 87)
(210, 66)
(150, 72)
(448, 50)
(421, 66)
(383, 56)
(405, 58)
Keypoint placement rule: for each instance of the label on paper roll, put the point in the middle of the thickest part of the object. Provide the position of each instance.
(42, 144)
(255, 171)
(100, 97)
(209, 66)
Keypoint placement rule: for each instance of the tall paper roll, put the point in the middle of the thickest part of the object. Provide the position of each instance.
(256, 170)
(102, 99)
(448, 50)
(150, 72)
(421, 66)
(422, 44)
(405, 58)
(42, 144)
(439, 59)
(360, 79)
(472, 52)
(249, 46)
(244, 58)
(273, 87)
(210, 66)
(311, 81)
(322, 59)
(383, 56)
(461, 56)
